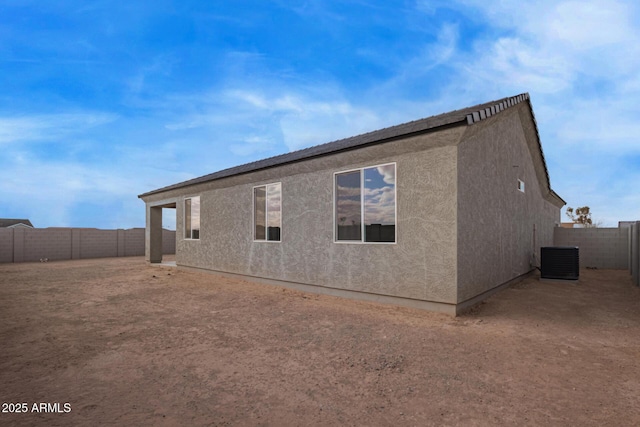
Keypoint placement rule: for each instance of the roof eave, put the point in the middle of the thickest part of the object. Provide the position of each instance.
(466, 116)
(199, 180)
(554, 197)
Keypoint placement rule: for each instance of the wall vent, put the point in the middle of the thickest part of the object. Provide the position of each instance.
(560, 262)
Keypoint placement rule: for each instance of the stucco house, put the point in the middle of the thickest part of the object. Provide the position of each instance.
(436, 213)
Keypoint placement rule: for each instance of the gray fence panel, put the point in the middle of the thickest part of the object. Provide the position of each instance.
(34, 244)
(599, 247)
(635, 253)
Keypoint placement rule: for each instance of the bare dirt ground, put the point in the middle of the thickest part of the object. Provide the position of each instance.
(125, 343)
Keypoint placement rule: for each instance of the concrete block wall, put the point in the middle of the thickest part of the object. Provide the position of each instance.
(6, 245)
(634, 253)
(96, 243)
(51, 243)
(34, 244)
(120, 248)
(168, 242)
(599, 247)
(134, 242)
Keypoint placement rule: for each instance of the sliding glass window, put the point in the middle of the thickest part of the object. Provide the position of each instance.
(365, 205)
(349, 206)
(267, 212)
(192, 218)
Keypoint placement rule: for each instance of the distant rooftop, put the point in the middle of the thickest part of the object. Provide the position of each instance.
(626, 224)
(11, 223)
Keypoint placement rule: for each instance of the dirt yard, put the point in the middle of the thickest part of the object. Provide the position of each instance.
(124, 343)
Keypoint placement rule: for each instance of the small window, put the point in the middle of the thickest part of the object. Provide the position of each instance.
(520, 186)
(192, 218)
(365, 205)
(267, 212)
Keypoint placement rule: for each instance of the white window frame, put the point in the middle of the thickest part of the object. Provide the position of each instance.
(184, 218)
(362, 222)
(266, 214)
(520, 185)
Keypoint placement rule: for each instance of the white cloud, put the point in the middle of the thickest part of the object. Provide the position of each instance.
(379, 205)
(516, 64)
(248, 121)
(388, 173)
(580, 61)
(251, 98)
(60, 191)
(51, 190)
(48, 127)
(606, 131)
(348, 191)
(305, 120)
(320, 122)
(586, 25)
(251, 145)
(551, 45)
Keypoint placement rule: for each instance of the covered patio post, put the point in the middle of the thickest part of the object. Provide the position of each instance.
(153, 234)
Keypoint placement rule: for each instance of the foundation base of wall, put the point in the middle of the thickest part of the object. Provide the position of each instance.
(468, 304)
(163, 264)
(561, 281)
(438, 307)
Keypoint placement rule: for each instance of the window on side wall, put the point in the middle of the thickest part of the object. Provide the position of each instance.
(192, 218)
(267, 212)
(365, 205)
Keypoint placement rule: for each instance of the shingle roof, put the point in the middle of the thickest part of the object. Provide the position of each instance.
(465, 116)
(8, 222)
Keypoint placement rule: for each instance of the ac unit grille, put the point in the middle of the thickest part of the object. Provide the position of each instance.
(560, 262)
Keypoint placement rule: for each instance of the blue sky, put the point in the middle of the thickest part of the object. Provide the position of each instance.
(101, 101)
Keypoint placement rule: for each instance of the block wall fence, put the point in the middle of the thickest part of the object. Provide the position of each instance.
(599, 247)
(34, 244)
(634, 252)
(614, 248)
(605, 248)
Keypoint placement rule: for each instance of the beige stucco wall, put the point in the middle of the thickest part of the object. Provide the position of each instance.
(422, 265)
(496, 221)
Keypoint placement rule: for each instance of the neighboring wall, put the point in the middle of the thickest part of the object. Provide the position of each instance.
(599, 247)
(634, 252)
(33, 244)
(500, 229)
